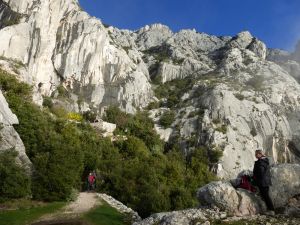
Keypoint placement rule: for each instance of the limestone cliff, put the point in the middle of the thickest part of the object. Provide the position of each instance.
(60, 44)
(242, 96)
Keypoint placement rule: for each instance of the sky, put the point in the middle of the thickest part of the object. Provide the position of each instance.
(275, 22)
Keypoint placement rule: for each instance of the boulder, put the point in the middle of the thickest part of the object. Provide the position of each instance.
(285, 183)
(9, 138)
(223, 195)
(239, 202)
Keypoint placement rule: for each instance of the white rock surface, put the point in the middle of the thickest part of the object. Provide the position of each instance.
(248, 100)
(59, 42)
(9, 138)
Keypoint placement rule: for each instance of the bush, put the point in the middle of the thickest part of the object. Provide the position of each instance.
(167, 119)
(139, 125)
(74, 116)
(14, 182)
(173, 90)
(239, 96)
(47, 102)
(90, 116)
(222, 129)
(136, 171)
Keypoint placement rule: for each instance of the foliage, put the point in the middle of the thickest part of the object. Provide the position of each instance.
(24, 216)
(139, 171)
(222, 129)
(74, 116)
(153, 105)
(167, 119)
(47, 102)
(89, 116)
(62, 92)
(173, 90)
(160, 55)
(139, 125)
(14, 182)
(239, 96)
(52, 144)
(106, 215)
(15, 19)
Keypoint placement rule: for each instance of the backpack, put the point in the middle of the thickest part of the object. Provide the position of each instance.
(246, 183)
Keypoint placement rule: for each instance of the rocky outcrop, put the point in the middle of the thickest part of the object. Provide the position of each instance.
(285, 183)
(183, 217)
(120, 207)
(243, 96)
(241, 101)
(9, 138)
(59, 43)
(239, 202)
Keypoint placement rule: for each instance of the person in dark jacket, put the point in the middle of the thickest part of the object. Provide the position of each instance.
(262, 177)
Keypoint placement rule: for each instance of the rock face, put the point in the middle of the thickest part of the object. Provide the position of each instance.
(59, 43)
(285, 183)
(239, 202)
(184, 217)
(243, 96)
(9, 138)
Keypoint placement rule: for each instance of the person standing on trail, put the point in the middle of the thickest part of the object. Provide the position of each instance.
(262, 178)
(91, 181)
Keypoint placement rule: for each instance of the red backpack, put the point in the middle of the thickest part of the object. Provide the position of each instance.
(245, 184)
(91, 179)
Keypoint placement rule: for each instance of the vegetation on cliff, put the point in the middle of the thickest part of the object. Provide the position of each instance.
(141, 171)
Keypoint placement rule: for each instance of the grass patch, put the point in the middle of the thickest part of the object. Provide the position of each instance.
(24, 216)
(106, 215)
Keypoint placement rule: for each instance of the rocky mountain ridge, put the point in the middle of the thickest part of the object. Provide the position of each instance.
(242, 96)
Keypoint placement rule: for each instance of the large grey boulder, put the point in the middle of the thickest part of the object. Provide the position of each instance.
(239, 202)
(223, 195)
(285, 183)
(9, 138)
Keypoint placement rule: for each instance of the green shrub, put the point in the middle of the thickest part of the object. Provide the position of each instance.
(62, 92)
(239, 96)
(139, 125)
(14, 182)
(47, 102)
(222, 129)
(153, 105)
(167, 119)
(173, 90)
(90, 116)
(74, 116)
(140, 171)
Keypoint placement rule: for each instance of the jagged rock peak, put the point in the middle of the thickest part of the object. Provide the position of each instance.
(245, 40)
(155, 26)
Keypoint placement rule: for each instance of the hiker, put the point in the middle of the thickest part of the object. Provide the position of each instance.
(91, 181)
(262, 178)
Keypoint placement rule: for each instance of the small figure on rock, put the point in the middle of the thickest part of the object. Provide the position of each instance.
(262, 178)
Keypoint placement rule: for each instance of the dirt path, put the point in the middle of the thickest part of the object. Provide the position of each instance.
(84, 203)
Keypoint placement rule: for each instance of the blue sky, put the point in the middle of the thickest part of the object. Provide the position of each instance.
(276, 22)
